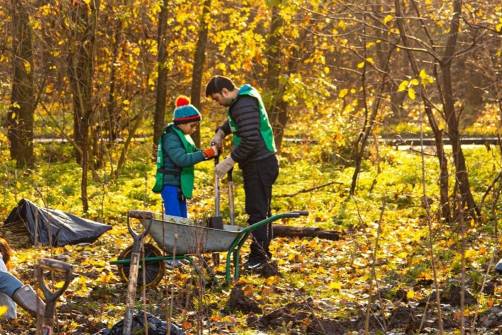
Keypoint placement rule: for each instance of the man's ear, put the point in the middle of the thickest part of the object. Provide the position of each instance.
(224, 91)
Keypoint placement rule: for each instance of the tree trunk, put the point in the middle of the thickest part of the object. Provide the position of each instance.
(275, 88)
(20, 116)
(113, 118)
(198, 66)
(80, 66)
(369, 117)
(160, 102)
(438, 134)
(452, 121)
(293, 231)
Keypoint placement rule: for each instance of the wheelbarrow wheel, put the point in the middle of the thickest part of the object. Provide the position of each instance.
(154, 270)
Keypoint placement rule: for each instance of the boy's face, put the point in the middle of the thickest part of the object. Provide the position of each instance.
(189, 128)
(224, 98)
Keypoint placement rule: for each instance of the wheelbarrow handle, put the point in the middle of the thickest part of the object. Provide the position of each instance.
(273, 218)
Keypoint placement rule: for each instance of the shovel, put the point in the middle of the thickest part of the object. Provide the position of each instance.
(50, 297)
(231, 196)
(216, 221)
(133, 274)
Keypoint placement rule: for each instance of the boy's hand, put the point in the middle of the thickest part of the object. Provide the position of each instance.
(210, 152)
(222, 168)
(218, 138)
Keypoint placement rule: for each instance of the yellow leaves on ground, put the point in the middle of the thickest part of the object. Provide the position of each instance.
(82, 290)
(3, 310)
(107, 277)
(387, 19)
(272, 280)
(335, 285)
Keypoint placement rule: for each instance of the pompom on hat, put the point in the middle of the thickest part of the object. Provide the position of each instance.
(185, 112)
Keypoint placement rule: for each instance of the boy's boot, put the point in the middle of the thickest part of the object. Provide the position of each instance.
(28, 299)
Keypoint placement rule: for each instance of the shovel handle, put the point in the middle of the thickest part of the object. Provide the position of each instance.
(135, 236)
(50, 297)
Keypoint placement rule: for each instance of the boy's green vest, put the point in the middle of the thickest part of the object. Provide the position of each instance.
(265, 127)
(187, 173)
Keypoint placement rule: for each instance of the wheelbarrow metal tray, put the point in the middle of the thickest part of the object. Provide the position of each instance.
(179, 239)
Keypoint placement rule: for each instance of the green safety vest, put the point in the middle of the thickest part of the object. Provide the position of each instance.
(265, 127)
(187, 173)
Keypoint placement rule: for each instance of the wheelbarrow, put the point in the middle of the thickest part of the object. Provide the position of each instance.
(181, 238)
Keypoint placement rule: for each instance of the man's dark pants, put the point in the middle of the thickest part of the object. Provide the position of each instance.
(259, 176)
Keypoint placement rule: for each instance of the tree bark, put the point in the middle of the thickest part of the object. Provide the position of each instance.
(160, 102)
(80, 67)
(113, 118)
(20, 116)
(294, 231)
(370, 117)
(275, 88)
(198, 66)
(438, 133)
(452, 121)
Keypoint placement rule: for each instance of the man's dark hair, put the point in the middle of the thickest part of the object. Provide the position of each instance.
(217, 84)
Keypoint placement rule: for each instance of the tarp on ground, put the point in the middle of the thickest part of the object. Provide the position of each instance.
(52, 226)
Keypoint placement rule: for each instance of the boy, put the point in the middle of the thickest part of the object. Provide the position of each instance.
(176, 157)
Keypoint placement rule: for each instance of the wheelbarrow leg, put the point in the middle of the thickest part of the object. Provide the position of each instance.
(236, 263)
(228, 278)
(49, 319)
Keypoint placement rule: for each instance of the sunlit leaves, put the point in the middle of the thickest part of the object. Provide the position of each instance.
(425, 78)
(411, 93)
(408, 86)
(403, 86)
(387, 19)
(3, 310)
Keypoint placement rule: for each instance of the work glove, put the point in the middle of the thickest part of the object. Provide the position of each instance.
(222, 168)
(218, 138)
(210, 152)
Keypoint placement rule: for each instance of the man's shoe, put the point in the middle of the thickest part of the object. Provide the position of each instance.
(498, 267)
(254, 264)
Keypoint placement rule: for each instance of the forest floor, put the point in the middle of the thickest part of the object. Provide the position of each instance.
(378, 276)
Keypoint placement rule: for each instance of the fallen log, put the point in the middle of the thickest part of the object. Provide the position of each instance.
(294, 231)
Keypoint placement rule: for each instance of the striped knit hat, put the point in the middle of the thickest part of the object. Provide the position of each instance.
(184, 111)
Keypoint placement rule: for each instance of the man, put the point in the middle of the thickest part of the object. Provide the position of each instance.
(253, 147)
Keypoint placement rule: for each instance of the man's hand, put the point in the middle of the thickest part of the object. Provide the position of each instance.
(222, 168)
(218, 138)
